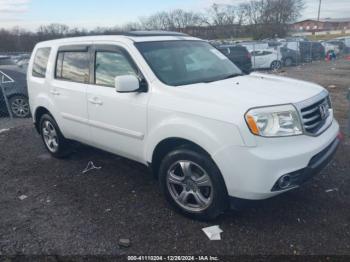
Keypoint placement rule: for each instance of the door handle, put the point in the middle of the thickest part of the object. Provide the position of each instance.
(55, 93)
(95, 101)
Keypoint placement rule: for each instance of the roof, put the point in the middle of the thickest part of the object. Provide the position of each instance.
(153, 33)
(324, 20)
(134, 36)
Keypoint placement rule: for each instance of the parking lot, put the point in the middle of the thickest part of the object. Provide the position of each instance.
(66, 212)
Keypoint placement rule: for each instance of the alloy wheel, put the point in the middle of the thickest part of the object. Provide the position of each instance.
(50, 136)
(20, 107)
(190, 186)
(276, 65)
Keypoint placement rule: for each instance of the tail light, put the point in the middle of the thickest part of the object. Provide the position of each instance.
(249, 55)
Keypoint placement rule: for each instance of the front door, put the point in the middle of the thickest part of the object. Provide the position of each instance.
(118, 121)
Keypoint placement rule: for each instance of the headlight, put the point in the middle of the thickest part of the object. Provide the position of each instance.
(274, 121)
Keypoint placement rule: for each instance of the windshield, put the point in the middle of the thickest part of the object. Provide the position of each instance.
(187, 62)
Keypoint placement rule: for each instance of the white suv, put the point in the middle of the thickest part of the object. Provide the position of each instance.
(211, 135)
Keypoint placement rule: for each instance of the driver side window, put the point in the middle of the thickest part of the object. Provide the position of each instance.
(109, 65)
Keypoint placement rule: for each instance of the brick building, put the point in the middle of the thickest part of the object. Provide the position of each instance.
(323, 25)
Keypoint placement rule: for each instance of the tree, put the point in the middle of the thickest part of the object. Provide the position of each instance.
(270, 17)
(222, 15)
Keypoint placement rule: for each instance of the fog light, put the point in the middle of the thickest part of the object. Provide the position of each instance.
(285, 182)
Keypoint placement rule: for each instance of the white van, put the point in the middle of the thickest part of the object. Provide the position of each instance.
(211, 135)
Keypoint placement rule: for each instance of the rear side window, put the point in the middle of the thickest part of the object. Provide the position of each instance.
(40, 62)
(73, 66)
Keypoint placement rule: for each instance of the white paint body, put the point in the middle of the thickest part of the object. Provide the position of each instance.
(208, 114)
(263, 58)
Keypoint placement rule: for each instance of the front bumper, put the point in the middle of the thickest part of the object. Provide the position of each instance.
(316, 164)
(252, 172)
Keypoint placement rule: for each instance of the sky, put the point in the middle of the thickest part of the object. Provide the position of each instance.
(30, 14)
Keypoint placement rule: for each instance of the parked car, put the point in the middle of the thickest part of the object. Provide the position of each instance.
(310, 51)
(6, 60)
(346, 42)
(340, 44)
(267, 59)
(23, 63)
(289, 56)
(252, 46)
(14, 87)
(239, 55)
(211, 135)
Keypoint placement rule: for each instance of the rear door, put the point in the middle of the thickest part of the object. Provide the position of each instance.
(118, 121)
(68, 90)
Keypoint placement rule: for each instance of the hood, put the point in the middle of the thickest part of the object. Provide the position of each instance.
(255, 90)
(222, 100)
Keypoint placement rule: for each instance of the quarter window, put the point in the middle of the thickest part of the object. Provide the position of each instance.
(73, 66)
(40, 62)
(109, 65)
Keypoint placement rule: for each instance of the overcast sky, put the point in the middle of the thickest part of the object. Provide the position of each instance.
(30, 14)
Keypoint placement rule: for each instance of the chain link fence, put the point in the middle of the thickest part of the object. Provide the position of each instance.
(14, 105)
(5, 110)
(273, 55)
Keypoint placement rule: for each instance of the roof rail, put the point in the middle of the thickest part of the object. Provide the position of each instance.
(153, 33)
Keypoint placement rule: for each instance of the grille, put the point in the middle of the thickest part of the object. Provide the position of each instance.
(315, 116)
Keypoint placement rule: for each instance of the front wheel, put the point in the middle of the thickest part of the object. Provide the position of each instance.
(276, 65)
(193, 184)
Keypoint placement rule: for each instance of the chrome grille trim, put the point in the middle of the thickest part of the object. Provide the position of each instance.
(314, 122)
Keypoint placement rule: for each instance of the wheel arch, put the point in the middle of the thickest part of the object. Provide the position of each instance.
(169, 144)
(39, 112)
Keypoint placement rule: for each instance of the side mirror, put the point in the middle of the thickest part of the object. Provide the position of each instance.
(126, 84)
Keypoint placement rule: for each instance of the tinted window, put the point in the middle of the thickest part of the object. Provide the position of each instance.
(40, 62)
(109, 65)
(73, 66)
(238, 51)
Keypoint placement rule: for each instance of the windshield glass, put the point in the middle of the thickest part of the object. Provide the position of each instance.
(187, 62)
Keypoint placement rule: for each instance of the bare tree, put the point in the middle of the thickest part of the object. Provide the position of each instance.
(222, 15)
(270, 17)
(172, 20)
(181, 19)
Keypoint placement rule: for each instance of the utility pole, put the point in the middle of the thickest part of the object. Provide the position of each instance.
(319, 10)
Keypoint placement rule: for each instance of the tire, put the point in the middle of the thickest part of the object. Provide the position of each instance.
(19, 106)
(54, 141)
(276, 65)
(288, 61)
(201, 193)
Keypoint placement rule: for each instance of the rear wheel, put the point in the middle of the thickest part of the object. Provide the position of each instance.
(193, 184)
(54, 141)
(19, 106)
(288, 61)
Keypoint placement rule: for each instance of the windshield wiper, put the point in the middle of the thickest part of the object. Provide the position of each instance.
(219, 79)
(232, 76)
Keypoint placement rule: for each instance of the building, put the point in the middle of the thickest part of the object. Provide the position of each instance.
(328, 25)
